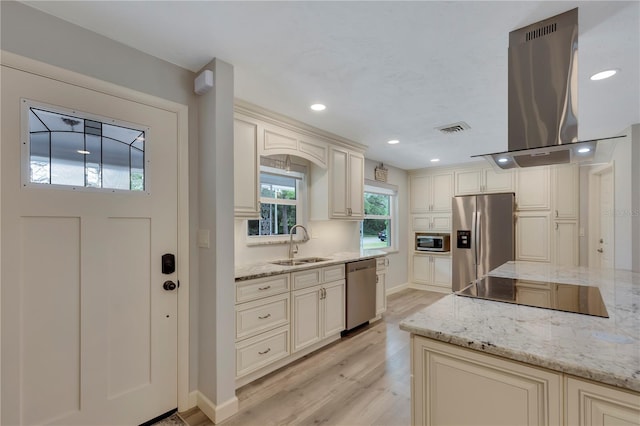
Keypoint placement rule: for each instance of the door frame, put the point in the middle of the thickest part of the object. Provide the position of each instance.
(594, 212)
(32, 66)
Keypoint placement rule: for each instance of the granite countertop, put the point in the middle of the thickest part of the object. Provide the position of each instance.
(265, 269)
(605, 350)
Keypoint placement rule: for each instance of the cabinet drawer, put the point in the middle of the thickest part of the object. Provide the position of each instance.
(304, 279)
(381, 263)
(261, 287)
(333, 273)
(260, 351)
(262, 315)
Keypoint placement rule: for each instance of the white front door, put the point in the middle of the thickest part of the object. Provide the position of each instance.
(89, 334)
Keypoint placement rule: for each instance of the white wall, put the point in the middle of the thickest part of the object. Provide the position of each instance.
(398, 260)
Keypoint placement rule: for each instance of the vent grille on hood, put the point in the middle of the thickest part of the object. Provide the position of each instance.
(541, 32)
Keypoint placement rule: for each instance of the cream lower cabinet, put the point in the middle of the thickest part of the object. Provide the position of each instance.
(262, 322)
(452, 385)
(432, 271)
(457, 386)
(381, 287)
(593, 404)
(318, 312)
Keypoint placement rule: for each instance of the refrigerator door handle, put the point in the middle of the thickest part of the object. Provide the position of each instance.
(474, 237)
(478, 240)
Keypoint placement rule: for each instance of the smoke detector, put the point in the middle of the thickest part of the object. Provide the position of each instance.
(454, 128)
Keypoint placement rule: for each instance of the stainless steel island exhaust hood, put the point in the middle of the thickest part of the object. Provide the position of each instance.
(543, 97)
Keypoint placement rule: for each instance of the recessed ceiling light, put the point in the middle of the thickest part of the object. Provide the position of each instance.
(583, 150)
(318, 107)
(604, 74)
(502, 160)
(393, 141)
(435, 160)
(83, 152)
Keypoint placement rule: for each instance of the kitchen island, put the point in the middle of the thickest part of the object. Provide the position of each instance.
(513, 364)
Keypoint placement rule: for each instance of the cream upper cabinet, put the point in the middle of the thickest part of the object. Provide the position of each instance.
(346, 179)
(440, 222)
(533, 188)
(566, 191)
(431, 193)
(483, 180)
(246, 169)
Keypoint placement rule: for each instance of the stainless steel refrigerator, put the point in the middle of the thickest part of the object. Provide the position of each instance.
(483, 235)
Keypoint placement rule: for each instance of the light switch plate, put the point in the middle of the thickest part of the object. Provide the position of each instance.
(203, 238)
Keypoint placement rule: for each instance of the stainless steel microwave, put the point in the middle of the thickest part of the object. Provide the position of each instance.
(433, 242)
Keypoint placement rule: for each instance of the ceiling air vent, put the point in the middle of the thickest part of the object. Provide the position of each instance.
(454, 128)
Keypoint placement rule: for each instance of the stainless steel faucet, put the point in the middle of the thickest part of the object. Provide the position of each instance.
(293, 251)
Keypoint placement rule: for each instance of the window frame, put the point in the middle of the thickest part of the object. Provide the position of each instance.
(373, 187)
(300, 203)
(25, 154)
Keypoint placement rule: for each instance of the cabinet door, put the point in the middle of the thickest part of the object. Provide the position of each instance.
(441, 271)
(497, 181)
(420, 193)
(566, 191)
(441, 192)
(306, 318)
(590, 404)
(441, 222)
(468, 181)
(356, 186)
(565, 243)
(333, 308)
(494, 391)
(532, 189)
(421, 223)
(422, 269)
(532, 237)
(381, 294)
(338, 181)
(246, 169)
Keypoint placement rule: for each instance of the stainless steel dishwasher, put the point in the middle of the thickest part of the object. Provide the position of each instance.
(361, 292)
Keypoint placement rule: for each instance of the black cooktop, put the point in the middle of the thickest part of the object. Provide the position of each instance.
(560, 297)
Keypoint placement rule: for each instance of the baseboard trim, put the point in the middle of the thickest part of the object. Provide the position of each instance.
(192, 399)
(397, 288)
(434, 288)
(217, 413)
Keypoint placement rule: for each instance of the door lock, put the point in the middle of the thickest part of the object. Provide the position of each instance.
(169, 285)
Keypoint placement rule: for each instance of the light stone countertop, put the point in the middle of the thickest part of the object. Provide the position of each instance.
(265, 269)
(605, 350)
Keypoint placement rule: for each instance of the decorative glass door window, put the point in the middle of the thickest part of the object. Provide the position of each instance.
(75, 149)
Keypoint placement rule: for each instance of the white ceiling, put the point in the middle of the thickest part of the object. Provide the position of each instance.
(385, 70)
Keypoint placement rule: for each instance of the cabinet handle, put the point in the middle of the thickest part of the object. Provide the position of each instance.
(386, 261)
(264, 317)
(377, 279)
(264, 352)
(599, 250)
(556, 213)
(264, 288)
(323, 293)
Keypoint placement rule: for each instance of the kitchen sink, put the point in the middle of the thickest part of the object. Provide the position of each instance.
(296, 262)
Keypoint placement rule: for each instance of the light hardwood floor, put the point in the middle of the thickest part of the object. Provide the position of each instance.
(362, 379)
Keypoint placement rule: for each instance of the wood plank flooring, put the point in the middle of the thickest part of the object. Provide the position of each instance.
(362, 379)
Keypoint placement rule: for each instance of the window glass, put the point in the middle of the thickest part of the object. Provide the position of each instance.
(280, 204)
(72, 150)
(378, 224)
